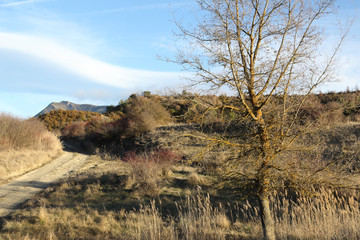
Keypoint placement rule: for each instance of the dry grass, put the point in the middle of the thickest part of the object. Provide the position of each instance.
(198, 221)
(120, 205)
(24, 145)
(328, 215)
(16, 162)
(100, 206)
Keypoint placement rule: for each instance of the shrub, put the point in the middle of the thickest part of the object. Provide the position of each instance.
(24, 145)
(333, 114)
(97, 126)
(76, 129)
(16, 133)
(144, 114)
(148, 169)
(56, 120)
(311, 110)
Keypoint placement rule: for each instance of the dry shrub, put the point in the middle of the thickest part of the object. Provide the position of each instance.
(16, 133)
(141, 123)
(138, 105)
(144, 115)
(141, 115)
(311, 110)
(97, 126)
(147, 170)
(25, 134)
(333, 114)
(76, 129)
(325, 114)
(25, 145)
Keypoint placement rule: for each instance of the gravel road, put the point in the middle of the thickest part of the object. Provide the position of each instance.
(22, 188)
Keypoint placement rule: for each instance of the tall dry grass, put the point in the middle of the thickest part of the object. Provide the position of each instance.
(325, 216)
(24, 145)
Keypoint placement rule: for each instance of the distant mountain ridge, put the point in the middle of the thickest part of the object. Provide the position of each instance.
(66, 105)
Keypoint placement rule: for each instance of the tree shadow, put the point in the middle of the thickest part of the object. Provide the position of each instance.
(31, 184)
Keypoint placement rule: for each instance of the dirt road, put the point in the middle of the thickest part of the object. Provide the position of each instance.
(22, 188)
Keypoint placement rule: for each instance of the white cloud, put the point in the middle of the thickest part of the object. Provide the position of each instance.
(144, 7)
(17, 3)
(83, 65)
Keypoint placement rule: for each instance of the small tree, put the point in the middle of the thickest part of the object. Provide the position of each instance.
(266, 51)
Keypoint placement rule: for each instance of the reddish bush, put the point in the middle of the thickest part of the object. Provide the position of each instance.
(98, 126)
(74, 130)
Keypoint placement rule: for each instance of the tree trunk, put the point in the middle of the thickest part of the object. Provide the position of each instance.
(267, 220)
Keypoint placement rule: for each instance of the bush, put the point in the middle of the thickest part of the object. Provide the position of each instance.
(24, 145)
(16, 133)
(74, 130)
(148, 169)
(56, 120)
(97, 126)
(144, 114)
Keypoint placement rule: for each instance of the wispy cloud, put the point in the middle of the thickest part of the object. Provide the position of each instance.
(83, 65)
(17, 3)
(143, 7)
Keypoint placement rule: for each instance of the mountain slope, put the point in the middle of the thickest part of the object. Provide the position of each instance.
(65, 105)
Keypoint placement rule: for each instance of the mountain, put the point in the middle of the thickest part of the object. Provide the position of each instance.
(65, 105)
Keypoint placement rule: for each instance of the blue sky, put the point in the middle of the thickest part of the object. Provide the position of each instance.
(99, 52)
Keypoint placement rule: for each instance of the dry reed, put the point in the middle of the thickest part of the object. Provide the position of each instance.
(327, 214)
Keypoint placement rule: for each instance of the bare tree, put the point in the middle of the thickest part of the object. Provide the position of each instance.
(267, 52)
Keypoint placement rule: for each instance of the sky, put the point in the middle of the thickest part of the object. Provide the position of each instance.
(101, 51)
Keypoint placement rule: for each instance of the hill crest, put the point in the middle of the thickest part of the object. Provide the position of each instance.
(66, 105)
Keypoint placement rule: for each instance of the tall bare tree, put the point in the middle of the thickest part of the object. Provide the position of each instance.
(267, 52)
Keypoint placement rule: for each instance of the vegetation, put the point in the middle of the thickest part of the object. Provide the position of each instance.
(168, 183)
(267, 53)
(115, 131)
(104, 203)
(325, 108)
(275, 161)
(58, 119)
(24, 145)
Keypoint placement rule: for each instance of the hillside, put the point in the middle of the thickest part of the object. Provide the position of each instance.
(66, 105)
(171, 190)
(162, 164)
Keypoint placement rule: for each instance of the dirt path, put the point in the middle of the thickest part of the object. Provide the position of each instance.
(22, 188)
